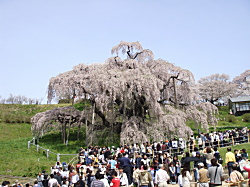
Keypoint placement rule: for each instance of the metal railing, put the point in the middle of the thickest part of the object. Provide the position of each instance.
(47, 151)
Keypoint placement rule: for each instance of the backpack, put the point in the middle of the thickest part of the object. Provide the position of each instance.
(144, 179)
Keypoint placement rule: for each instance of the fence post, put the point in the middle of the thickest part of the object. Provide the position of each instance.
(58, 157)
(37, 148)
(47, 153)
(28, 144)
(232, 141)
(34, 141)
(248, 137)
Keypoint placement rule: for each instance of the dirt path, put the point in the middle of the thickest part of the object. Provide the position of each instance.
(14, 179)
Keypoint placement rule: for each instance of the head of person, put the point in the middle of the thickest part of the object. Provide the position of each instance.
(243, 150)
(184, 172)
(198, 154)
(114, 174)
(161, 166)
(5, 183)
(214, 162)
(145, 167)
(236, 151)
(120, 169)
(98, 175)
(145, 156)
(234, 167)
(200, 165)
(209, 150)
(51, 175)
(229, 149)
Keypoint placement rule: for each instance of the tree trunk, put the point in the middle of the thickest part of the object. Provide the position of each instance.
(175, 94)
(86, 130)
(92, 124)
(124, 107)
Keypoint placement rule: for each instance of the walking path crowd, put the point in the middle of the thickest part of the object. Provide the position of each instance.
(157, 164)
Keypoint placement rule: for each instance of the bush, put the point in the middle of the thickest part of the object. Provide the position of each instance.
(231, 118)
(246, 117)
(62, 101)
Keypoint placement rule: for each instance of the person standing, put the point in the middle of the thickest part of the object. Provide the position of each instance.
(161, 177)
(202, 175)
(40, 179)
(145, 177)
(229, 160)
(172, 172)
(127, 167)
(123, 177)
(136, 176)
(115, 180)
(97, 182)
(215, 173)
(52, 181)
(186, 178)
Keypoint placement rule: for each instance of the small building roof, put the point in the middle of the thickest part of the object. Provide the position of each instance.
(240, 99)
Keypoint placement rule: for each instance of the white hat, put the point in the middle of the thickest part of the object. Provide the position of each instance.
(201, 164)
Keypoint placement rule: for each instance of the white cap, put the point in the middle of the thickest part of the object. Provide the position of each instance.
(201, 164)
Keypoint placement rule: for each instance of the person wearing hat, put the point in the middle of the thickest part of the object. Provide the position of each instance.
(202, 175)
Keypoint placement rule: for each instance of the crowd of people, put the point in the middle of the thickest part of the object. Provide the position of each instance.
(157, 164)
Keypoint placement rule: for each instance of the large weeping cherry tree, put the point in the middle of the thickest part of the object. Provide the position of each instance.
(138, 97)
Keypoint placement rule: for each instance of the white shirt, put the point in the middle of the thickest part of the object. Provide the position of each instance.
(105, 181)
(161, 176)
(52, 181)
(74, 178)
(186, 180)
(123, 179)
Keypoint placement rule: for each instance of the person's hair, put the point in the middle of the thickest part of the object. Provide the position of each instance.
(145, 167)
(215, 149)
(234, 167)
(160, 165)
(4, 183)
(229, 149)
(120, 167)
(184, 172)
(114, 173)
(209, 150)
(98, 175)
(214, 162)
(101, 176)
(51, 175)
(236, 150)
(35, 182)
(196, 149)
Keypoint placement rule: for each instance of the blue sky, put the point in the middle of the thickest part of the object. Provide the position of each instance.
(41, 38)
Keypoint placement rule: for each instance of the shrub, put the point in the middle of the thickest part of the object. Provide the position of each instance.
(231, 118)
(246, 117)
(7, 117)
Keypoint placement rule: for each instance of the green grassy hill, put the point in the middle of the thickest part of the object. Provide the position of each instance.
(15, 157)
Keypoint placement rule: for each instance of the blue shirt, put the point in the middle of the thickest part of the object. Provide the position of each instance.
(125, 161)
